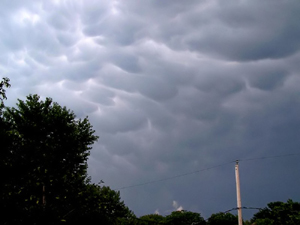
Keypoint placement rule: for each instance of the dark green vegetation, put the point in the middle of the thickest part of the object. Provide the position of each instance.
(44, 152)
(4, 83)
(222, 219)
(43, 163)
(277, 213)
(175, 218)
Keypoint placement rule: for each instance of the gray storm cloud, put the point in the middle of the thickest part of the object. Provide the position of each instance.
(170, 87)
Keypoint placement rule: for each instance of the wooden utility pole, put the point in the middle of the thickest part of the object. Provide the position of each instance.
(238, 193)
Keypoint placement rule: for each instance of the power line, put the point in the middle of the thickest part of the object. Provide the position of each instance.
(242, 208)
(205, 169)
(177, 176)
(270, 157)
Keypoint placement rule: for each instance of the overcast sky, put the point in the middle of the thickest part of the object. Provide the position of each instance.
(171, 87)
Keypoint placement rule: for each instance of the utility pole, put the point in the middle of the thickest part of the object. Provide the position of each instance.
(238, 193)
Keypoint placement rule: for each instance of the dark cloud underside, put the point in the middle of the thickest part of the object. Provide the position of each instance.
(170, 87)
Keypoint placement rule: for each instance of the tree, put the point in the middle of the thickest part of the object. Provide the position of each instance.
(45, 161)
(222, 219)
(151, 219)
(184, 218)
(101, 205)
(3, 84)
(278, 213)
(3, 126)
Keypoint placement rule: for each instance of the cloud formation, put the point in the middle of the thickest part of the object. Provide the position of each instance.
(177, 207)
(170, 87)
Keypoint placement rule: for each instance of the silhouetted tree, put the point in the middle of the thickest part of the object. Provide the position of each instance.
(222, 219)
(278, 213)
(45, 161)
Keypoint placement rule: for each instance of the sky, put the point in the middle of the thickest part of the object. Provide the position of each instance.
(176, 90)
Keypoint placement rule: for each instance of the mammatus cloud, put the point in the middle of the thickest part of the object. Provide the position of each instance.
(170, 87)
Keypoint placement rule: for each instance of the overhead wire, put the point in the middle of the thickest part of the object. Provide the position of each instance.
(236, 208)
(173, 177)
(205, 169)
(270, 157)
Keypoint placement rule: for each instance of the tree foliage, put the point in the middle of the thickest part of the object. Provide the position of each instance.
(278, 213)
(184, 217)
(152, 219)
(4, 83)
(45, 158)
(101, 205)
(44, 155)
(222, 219)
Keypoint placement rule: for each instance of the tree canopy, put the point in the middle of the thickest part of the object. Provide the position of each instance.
(184, 217)
(4, 83)
(44, 152)
(151, 219)
(222, 219)
(278, 213)
(46, 157)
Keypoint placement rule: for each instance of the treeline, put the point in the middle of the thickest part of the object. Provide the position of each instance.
(43, 163)
(276, 213)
